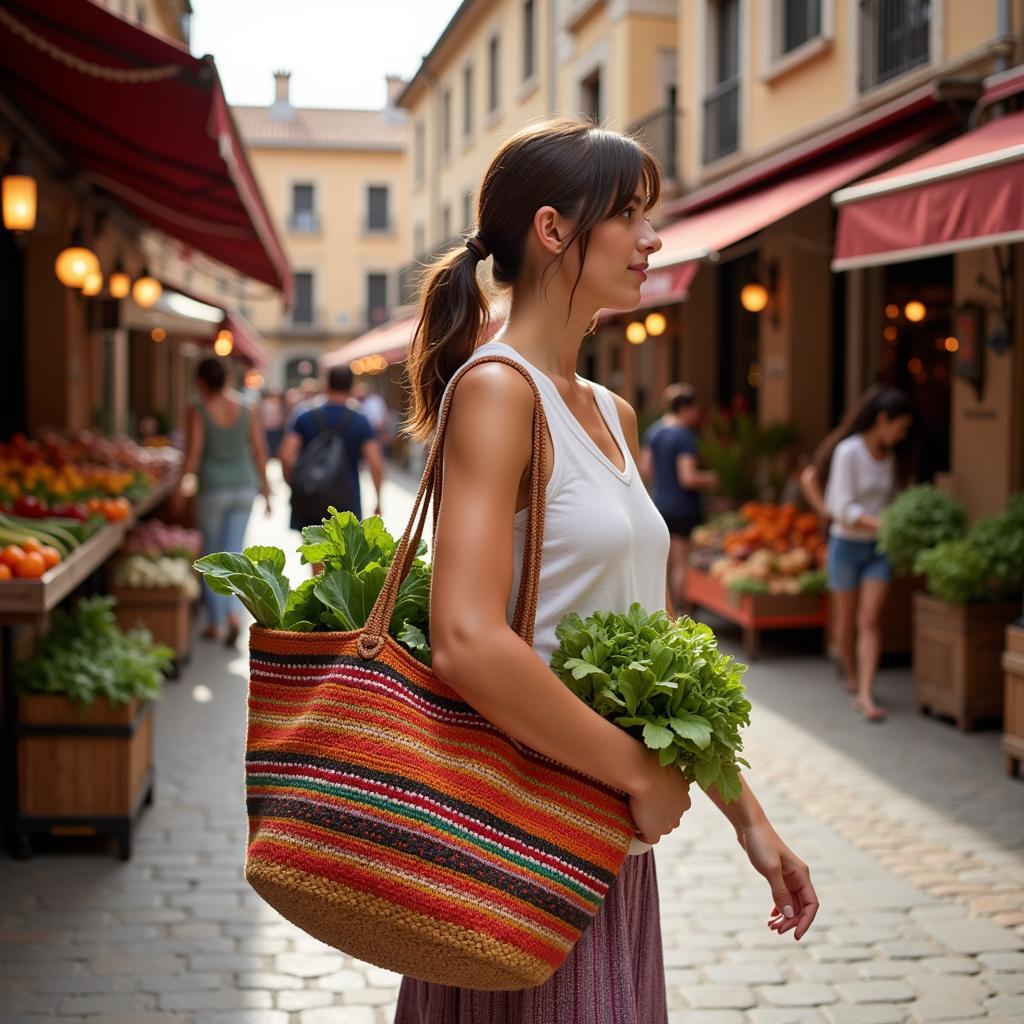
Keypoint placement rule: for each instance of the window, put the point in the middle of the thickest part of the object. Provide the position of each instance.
(376, 299)
(377, 208)
(302, 310)
(446, 122)
(419, 151)
(303, 216)
(796, 22)
(419, 239)
(590, 96)
(446, 222)
(493, 74)
(467, 101)
(894, 38)
(529, 39)
(467, 211)
(721, 102)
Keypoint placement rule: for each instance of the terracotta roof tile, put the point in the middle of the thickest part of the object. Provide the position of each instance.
(323, 128)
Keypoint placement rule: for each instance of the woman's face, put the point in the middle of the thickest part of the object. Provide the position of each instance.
(616, 264)
(893, 430)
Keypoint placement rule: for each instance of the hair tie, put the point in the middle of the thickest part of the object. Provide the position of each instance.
(478, 247)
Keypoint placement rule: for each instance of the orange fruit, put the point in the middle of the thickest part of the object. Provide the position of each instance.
(31, 566)
(51, 556)
(5, 572)
(12, 555)
(31, 544)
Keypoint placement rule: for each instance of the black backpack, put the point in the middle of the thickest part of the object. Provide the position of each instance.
(320, 476)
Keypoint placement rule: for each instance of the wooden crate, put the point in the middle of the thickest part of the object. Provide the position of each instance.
(957, 654)
(82, 771)
(165, 611)
(1013, 691)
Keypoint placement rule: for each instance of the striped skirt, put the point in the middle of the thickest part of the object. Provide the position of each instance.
(614, 975)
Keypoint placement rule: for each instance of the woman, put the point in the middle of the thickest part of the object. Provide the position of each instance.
(225, 464)
(562, 217)
(856, 467)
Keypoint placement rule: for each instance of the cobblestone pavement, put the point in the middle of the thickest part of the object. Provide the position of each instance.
(915, 838)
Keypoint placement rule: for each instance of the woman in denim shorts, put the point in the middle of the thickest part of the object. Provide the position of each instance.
(857, 467)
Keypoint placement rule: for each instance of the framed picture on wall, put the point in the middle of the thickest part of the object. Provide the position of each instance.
(969, 359)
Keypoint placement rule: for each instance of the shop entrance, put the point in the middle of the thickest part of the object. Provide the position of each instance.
(916, 353)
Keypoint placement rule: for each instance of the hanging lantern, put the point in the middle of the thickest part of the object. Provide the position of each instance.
(76, 262)
(225, 342)
(119, 283)
(636, 333)
(158, 334)
(754, 297)
(19, 196)
(147, 290)
(915, 311)
(655, 324)
(93, 283)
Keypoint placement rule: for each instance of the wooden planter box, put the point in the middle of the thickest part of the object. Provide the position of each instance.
(1013, 710)
(165, 611)
(82, 771)
(957, 653)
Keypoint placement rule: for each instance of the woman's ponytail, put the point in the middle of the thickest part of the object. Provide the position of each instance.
(453, 314)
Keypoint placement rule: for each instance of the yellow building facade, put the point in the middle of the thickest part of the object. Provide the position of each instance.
(336, 183)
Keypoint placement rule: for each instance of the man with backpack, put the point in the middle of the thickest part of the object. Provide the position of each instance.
(322, 451)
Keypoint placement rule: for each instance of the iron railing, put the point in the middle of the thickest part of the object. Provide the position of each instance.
(659, 133)
(894, 37)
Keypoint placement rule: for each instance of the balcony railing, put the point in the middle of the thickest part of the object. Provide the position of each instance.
(659, 133)
(305, 321)
(304, 222)
(894, 37)
(722, 120)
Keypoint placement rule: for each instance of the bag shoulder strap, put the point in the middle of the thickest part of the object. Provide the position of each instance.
(372, 639)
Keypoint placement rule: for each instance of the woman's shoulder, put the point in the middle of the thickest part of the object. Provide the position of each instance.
(849, 447)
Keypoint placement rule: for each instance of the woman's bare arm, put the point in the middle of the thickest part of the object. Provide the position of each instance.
(487, 449)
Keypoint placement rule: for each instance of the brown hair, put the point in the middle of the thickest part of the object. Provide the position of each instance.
(586, 173)
(678, 396)
(879, 398)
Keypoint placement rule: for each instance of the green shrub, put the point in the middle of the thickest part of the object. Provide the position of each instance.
(955, 572)
(917, 520)
(999, 540)
(84, 655)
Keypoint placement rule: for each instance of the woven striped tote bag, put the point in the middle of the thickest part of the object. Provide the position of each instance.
(391, 821)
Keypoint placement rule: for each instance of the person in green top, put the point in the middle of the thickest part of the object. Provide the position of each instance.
(225, 467)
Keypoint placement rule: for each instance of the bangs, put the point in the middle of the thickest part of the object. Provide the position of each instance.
(622, 167)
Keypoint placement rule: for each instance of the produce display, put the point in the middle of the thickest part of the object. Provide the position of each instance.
(763, 549)
(355, 557)
(666, 683)
(918, 519)
(84, 655)
(33, 546)
(143, 572)
(154, 539)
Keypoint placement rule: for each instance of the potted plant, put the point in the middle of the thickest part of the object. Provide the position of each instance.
(920, 518)
(155, 585)
(85, 727)
(959, 623)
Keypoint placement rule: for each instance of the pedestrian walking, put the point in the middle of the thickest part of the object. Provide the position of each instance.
(225, 467)
(562, 215)
(272, 417)
(852, 478)
(322, 451)
(668, 463)
(374, 406)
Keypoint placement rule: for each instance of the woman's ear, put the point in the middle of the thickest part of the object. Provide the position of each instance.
(550, 229)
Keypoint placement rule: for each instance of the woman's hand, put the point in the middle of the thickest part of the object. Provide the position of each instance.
(795, 902)
(660, 801)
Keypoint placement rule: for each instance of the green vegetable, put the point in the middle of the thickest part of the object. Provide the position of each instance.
(666, 683)
(814, 581)
(1000, 542)
(84, 655)
(355, 557)
(917, 520)
(955, 572)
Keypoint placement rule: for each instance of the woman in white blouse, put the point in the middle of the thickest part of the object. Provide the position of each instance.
(856, 467)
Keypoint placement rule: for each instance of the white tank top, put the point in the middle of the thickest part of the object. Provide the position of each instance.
(605, 544)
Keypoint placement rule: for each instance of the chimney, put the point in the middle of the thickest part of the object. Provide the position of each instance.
(281, 87)
(395, 86)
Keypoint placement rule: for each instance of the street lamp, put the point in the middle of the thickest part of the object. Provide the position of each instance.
(93, 283)
(636, 333)
(225, 342)
(120, 284)
(147, 290)
(75, 263)
(655, 324)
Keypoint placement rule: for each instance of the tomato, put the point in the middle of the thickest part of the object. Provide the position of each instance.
(31, 566)
(5, 572)
(51, 556)
(11, 555)
(31, 544)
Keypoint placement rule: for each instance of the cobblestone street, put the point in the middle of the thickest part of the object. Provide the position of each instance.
(914, 835)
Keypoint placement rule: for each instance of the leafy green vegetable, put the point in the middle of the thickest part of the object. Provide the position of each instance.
(917, 520)
(666, 683)
(85, 656)
(355, 557)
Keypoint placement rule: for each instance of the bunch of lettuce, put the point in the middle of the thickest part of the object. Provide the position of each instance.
(666, 683)
(355, 557)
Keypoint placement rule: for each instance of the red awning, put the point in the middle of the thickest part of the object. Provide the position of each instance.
(248, 343)
(966, 194)
(390, 340)
(144, 121)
